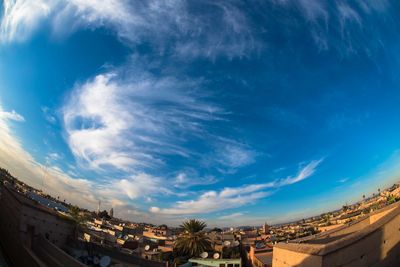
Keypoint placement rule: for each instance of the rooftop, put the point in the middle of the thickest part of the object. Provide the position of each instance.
(326, 242)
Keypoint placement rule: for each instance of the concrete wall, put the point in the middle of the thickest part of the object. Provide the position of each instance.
(379, 248)
(23, 222)
(287, 258)
(372, 241)
(9, 234)
(54, 256)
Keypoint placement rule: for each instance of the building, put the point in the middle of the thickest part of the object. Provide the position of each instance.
(31, 234)
(265, 228)
(157, 233)
(370, 241)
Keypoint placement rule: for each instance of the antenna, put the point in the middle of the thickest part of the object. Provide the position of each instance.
(216, 256)
(44, 175)
(98, 207)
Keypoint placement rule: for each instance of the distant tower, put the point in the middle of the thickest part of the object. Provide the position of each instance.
(265, 228)
(111, 213)
(98, 207)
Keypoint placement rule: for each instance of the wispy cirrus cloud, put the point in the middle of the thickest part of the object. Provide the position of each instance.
(21, 163)
(53, 180)
(234, 197)
(130, 120)
(232, 216)
(169, 26)
(209, 202)
(190, 177)
(5, 115)
(234, 154)
(304, 173)
(344, 26)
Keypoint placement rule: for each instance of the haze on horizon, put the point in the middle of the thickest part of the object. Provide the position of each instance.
(234, 112)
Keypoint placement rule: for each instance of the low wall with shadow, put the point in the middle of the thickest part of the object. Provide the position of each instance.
(370, 241)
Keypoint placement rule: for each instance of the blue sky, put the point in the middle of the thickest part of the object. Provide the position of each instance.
(235, 112)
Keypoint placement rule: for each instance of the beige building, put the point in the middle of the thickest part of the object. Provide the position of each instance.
(369, 241)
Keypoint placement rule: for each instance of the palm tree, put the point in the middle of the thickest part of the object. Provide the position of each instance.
(78, 220)
(193, 241)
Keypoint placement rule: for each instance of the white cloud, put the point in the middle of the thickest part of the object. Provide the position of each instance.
(304, 173)
(131, 123)
(190, 177)
(234, 197)
(167, 25)
(52, 157)
(232, 216)
(142, 185)
(48, 115)
(21, 18)
(53, 180)
(235, 155)
(21, 164)
(209, 202)
(4, 115)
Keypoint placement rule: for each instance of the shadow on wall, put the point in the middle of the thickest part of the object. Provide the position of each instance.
(379, 249)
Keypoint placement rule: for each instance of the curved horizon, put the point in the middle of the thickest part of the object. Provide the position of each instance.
(231, 112)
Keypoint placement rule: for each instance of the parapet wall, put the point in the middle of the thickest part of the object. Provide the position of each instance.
(372, 241)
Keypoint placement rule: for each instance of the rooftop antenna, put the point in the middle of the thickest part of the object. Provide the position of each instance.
(44, 168)
(98, 207)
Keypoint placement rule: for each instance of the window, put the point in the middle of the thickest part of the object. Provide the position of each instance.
(230, 264)
(222, 265)
(237, 265)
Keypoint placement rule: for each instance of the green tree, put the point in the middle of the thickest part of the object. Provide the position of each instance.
(193, 241)
(390, 199)
(78, 219)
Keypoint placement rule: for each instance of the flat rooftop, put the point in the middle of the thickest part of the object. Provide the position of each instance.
(323, 243)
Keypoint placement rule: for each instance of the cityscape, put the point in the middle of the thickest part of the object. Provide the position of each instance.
(211, 133)
(46, 231)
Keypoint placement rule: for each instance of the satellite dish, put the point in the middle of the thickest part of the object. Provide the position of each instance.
(216, 256)
(105, 261)
(147, 247)
(260, 245)
(96, 260)
(236, 243)
(204, 255)
(227, 243)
